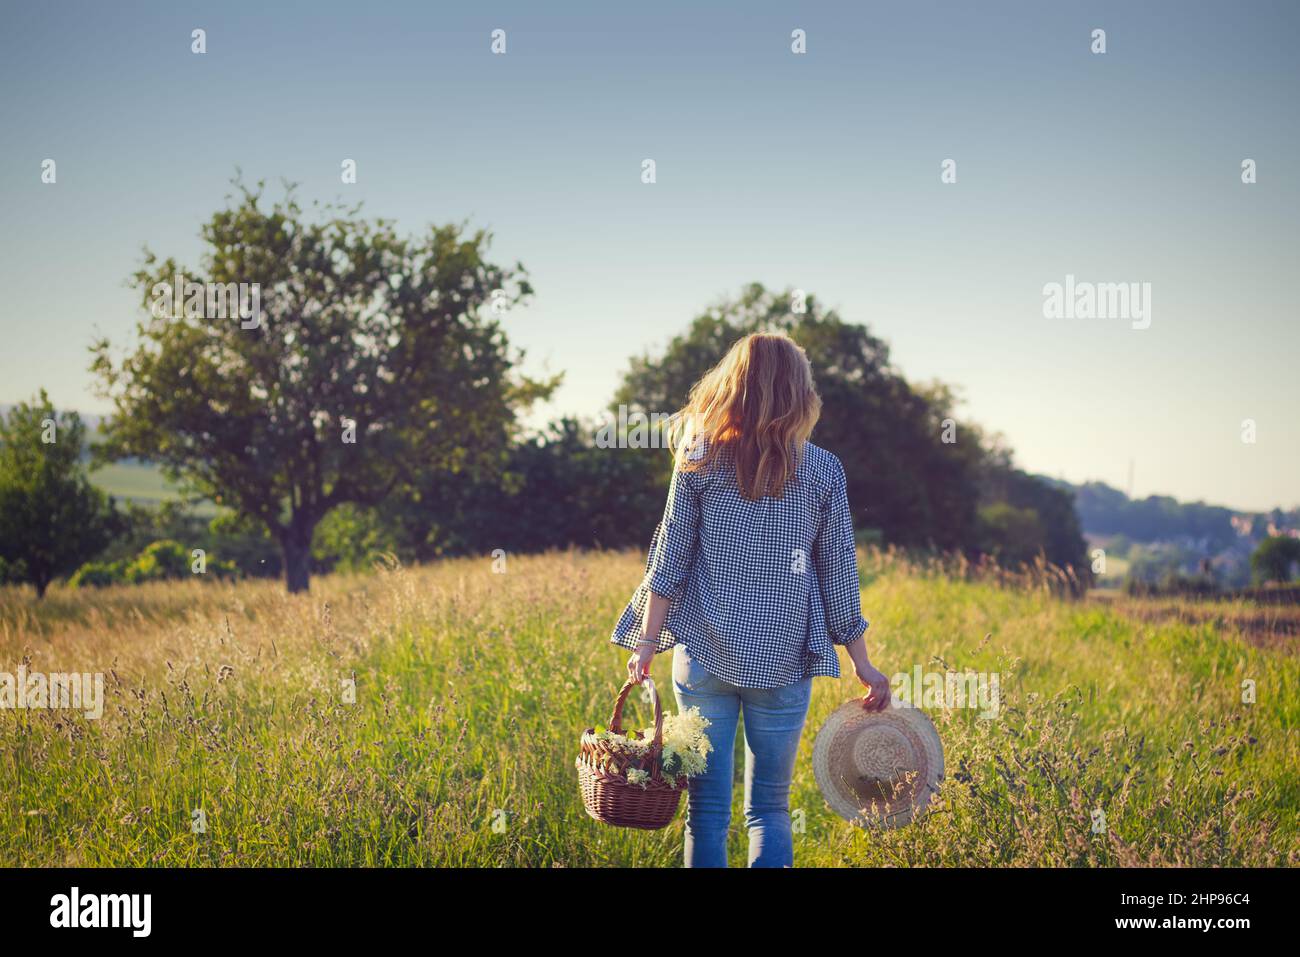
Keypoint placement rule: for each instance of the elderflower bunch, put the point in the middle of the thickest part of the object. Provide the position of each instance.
(686, 746)
(637, 776)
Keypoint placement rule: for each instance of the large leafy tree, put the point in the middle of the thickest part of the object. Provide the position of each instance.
(904, 479)
(51, 518)
(376, 357)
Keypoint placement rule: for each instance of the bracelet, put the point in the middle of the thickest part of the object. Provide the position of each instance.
(648, 641)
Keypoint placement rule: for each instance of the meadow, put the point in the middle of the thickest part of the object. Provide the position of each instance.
(472, 687)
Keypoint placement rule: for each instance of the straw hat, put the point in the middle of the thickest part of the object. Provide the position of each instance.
(878, 768)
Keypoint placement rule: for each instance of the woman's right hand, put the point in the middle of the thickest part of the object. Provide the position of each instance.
(877, 685)
(638, 666)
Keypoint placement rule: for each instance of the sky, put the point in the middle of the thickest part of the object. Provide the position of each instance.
(819, 171)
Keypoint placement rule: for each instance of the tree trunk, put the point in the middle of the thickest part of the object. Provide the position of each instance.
(295, 544)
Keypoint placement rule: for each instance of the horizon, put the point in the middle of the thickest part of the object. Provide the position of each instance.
(819, 171)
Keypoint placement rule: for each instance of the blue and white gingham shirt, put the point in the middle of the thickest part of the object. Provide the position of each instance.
(761, 591)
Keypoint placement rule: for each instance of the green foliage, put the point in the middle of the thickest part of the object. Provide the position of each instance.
(1039, 517)
(254, 417)
(1276, 558)
(51, 517)
(1108, 511)
(351, 538)
(1013, 536)
(902, 478)
(565, 490)
(143, 524)
(158, 561)
(906, 483)
(99, 575)
(362, 333)
(554, 489)
(246, 543)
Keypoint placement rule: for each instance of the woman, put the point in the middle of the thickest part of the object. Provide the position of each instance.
(753, 576)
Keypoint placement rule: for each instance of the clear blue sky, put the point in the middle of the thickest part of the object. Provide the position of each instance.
(818, 171)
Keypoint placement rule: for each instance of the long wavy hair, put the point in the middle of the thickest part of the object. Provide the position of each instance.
(756, 409)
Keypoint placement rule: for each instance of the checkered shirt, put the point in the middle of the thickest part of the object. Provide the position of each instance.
(760, 591)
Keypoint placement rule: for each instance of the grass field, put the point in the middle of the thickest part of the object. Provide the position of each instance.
(472, 689)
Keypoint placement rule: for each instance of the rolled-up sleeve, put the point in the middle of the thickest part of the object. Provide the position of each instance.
(676, 539)
(835, 558)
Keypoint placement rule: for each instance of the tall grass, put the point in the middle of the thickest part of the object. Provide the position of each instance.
(472, 689)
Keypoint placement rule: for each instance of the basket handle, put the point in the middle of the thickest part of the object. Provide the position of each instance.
(616, 719)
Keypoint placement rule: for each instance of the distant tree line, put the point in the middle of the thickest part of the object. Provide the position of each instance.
(1158, 518)
(1171, 547)
(374, 410)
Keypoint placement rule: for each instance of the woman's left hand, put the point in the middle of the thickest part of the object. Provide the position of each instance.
(638, 666)
(877, 685)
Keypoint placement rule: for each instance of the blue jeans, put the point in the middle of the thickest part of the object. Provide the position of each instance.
(774, 719)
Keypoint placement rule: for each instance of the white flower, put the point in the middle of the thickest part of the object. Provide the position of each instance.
(685, 746)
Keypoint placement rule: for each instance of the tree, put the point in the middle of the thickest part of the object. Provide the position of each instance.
(1013, 536)
(367, 358)
(596, 497)
(1051, 504)
(555, 489)
(1105, 510)
(1275, 558)
(51, 518)
(904, 479)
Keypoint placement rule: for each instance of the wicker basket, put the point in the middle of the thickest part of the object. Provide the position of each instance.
(602, 775)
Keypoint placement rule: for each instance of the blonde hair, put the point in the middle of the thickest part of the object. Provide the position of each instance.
(757, 408)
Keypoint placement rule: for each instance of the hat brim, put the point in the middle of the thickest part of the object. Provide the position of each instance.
(878, 768)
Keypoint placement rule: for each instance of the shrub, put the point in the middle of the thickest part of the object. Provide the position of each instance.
(98, 575)
(164, 560)
(160, 561)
